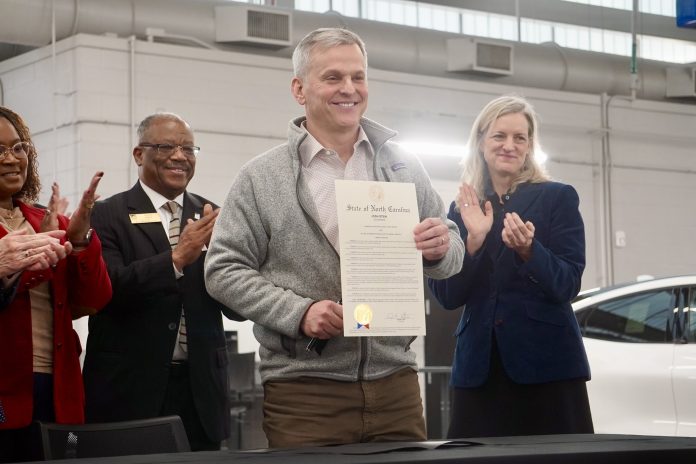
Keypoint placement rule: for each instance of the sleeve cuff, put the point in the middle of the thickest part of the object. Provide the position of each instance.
(177, 273)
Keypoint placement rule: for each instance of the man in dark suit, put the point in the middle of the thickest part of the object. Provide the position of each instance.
(158, 348)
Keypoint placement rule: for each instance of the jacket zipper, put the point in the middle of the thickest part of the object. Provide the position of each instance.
(362, 345)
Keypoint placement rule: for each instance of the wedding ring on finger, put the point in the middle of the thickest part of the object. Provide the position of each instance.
(89, 205)
(466, 205)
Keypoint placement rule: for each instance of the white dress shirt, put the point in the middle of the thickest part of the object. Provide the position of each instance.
(322, 166)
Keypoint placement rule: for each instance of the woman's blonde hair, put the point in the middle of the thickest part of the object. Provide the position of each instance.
(475, 171)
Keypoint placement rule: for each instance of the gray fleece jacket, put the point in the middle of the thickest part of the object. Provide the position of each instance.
(269, 260)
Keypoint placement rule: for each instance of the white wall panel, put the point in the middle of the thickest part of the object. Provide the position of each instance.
(655, 210)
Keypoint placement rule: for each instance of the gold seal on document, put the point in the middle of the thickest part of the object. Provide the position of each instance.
(363, 315)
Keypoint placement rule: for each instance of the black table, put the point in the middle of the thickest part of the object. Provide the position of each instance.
(593, 449)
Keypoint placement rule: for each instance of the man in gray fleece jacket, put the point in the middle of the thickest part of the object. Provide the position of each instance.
(274, 259)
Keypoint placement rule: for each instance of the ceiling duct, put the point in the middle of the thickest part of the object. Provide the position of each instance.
(390, 47)
(246, 25)
(479, 56)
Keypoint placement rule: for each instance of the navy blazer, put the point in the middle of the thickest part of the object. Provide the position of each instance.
(527, 305)
(130, 343)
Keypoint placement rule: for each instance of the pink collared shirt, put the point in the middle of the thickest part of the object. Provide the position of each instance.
(322, 166)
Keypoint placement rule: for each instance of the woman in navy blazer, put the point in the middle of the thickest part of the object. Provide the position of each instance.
(519, 366)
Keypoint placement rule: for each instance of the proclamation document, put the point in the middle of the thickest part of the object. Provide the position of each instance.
(381, 269)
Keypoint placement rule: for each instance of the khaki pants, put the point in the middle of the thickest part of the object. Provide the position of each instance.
(310, 411)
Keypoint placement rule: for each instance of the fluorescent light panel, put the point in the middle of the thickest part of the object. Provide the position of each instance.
(421, 148)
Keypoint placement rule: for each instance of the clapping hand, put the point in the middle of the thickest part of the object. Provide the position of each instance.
(20, 251)
(56, 205)
(195, 235)
(518, 235)
(478, 222)
(81, 217)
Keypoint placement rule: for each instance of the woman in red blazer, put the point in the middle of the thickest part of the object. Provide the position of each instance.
(40, 375)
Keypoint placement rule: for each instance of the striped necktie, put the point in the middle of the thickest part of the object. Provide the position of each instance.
(174, 231)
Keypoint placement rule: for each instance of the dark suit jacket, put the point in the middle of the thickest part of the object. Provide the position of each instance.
(130, 343)
(527, 305)
(8, 294)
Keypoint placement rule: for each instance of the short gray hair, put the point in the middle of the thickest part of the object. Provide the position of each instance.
(323, 38)
(147, 122)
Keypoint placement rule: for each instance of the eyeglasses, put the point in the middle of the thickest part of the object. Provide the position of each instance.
(19, 150)
(168, 149)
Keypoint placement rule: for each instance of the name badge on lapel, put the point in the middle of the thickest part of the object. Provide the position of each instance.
(144, 218)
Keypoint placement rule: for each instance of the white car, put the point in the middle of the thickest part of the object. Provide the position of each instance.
(641, 342)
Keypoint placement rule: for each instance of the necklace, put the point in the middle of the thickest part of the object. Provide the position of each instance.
(7, 213)
(11, 218)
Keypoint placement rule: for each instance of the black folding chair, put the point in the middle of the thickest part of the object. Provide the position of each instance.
(144, 436)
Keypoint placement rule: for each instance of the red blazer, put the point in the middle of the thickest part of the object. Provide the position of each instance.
(80, 281)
